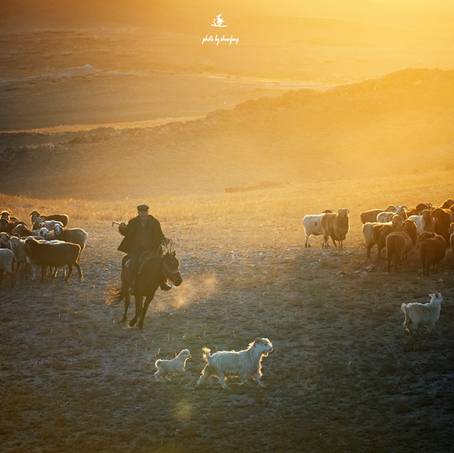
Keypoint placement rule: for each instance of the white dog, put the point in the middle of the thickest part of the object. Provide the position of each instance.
(247, 364)
(173, 366)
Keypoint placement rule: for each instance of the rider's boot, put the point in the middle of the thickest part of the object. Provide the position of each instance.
(165, 286)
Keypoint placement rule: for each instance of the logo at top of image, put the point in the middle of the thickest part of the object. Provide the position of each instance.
(218, 22)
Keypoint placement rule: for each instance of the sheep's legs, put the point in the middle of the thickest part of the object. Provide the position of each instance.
(70, 271)
(148, 299)
(221, 378)
(159, 375)
(204, 376)
(257, 379)
(79, 270)
(12, 276)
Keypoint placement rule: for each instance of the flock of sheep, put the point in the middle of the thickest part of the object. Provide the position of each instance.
(50, 245)
(46, 246)
(399, 230)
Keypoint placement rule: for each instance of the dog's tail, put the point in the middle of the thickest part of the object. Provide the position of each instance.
(206, 354)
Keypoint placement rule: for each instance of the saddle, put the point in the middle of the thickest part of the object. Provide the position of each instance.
(144, 258)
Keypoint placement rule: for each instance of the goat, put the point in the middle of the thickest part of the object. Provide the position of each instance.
(247, 364)
(424, 315)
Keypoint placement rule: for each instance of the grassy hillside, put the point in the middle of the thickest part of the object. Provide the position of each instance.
(398, 124)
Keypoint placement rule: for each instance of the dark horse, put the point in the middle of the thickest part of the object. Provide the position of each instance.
(153, 271)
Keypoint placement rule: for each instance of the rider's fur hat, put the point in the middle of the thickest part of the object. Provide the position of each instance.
(142, 207)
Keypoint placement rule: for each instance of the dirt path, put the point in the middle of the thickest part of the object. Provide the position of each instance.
(343, 376)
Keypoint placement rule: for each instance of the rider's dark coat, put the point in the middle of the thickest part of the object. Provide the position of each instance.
(140, 237)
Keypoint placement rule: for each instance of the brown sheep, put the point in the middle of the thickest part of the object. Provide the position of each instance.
(399, 242)
(36, 217)
(432, 251)
(21, 230)
(420, 207)
(370, 215)
(380, 233)
(447, 204)
(335, 226)
(442, 222)
(410, 228)
(45, 254)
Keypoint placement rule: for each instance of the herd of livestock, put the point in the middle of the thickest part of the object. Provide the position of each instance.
(399, 230)
(47, 246)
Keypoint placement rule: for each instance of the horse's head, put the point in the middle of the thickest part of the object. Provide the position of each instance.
(171, 268)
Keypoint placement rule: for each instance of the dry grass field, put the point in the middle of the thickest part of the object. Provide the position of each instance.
(343, 376)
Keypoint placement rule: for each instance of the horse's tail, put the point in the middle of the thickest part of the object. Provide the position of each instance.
(115, 295)
(206, 354)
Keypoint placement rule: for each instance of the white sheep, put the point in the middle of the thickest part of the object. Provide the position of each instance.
(424, 315)
(4, 240)
(369, 235)
(74, 235)
(385, 216)
(17, 245)
(7, 264)
(312, 226)
(423, 222)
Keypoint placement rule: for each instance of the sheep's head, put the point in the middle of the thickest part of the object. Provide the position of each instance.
(397, 221)
(343, 212)
(262, 346)
(436, 297)
(58, 228)
(43, 232)
(30, 244)
(184, 354)
(4, 215)
(4, 239)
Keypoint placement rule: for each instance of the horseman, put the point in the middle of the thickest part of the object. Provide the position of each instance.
(142, 236)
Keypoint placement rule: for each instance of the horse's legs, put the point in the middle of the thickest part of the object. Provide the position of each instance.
(148, 299)
(138, 300)
(127, 302)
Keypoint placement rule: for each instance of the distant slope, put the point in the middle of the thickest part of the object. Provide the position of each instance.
(401, 123)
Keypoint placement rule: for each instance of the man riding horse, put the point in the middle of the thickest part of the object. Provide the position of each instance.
(142, 236)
